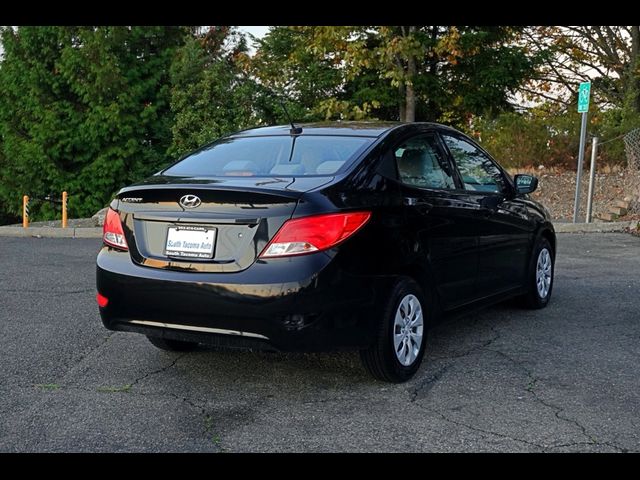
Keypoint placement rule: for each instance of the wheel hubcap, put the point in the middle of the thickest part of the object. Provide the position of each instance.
(408, 330)
(543, 273)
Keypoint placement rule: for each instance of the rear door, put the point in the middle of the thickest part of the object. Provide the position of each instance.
(503, 226)
(438, 220)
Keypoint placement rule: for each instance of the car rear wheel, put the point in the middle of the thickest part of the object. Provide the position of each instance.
(397, 352)
(172, 345)
(540, 276)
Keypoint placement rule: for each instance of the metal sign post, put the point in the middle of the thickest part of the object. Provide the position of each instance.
(583, 107)
(592, 178)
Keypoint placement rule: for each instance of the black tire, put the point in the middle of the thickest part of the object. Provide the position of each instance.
(532, 299)
(172, 345)
(380, 358)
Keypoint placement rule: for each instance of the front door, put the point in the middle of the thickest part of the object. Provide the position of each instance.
(504, 229)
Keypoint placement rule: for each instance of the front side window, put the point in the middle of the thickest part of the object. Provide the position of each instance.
(281, 155)
(421, 163)
(478, 171)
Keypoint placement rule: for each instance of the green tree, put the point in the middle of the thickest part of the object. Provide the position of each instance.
(438, 73)
(286, 72)
(211, 95)
(82, 109)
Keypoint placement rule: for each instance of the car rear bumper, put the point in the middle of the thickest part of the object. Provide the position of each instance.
(305, 303)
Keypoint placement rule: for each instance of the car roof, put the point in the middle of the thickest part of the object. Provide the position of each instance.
(352, 129)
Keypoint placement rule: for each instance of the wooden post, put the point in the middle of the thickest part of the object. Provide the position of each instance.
(25, 211)
(64, 209)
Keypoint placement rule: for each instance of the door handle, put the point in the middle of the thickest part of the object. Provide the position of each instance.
(421, 205)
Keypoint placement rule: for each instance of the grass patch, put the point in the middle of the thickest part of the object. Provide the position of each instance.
(47, 387)
(208, 426)
(124, 388)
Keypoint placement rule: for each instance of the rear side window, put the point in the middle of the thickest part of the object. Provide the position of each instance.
(421, 163)
(272, 156)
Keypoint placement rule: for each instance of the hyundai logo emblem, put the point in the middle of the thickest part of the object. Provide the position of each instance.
(190, 201)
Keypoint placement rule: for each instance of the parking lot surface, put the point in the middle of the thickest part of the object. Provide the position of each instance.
(561, 379)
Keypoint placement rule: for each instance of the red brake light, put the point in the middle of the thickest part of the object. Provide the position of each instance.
(313, 234)
(102, 300)
(112, 233)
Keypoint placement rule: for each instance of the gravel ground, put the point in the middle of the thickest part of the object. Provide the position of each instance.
(71, 223)
(557, 191)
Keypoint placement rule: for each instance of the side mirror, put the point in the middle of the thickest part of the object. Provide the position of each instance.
(525, 183)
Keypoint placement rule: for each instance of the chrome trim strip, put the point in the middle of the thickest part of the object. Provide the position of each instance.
(199, 329)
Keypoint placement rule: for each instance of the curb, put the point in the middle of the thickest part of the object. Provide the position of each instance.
(598, 227)
(51, 232)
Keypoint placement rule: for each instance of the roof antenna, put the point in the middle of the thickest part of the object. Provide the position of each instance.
(293, 130)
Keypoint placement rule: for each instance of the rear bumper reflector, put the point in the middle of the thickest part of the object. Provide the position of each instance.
(102, 300)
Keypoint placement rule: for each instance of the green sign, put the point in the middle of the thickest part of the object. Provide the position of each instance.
(583, 97)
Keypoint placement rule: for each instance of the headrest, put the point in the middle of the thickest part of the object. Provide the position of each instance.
(329, 167)
(240, 166)
(411, 164)
(287, 169)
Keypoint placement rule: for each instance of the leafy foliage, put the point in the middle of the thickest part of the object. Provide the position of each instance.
(426, 72)
(210, 96)
(90, 109)
(82, 109)
(549, 136)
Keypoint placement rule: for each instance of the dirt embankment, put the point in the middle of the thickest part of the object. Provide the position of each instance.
(556, 190)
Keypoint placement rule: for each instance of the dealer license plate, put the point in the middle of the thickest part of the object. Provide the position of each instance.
(190, 242)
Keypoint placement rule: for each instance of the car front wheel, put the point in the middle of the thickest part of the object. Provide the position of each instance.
(540, 277)
(397, 352)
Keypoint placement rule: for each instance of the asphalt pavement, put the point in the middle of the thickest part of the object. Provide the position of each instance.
(556, 380)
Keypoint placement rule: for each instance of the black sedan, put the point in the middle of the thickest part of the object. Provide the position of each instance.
(322, 237)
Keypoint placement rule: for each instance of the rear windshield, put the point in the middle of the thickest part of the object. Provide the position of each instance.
(268, 156)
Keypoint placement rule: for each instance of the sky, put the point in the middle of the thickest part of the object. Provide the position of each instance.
(257, 31)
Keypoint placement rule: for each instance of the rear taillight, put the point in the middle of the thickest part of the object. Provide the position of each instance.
(313, 234)
(112, 233)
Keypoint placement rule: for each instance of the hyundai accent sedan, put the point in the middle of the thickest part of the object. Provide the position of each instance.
(323, 237)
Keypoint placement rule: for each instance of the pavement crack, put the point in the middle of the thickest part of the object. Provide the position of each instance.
(86, 355)
(47, 291)
(159, 370)
(531, 388)
(207, 419)
(482, 430)
(425, 385)
(579, 444)
(475, 348)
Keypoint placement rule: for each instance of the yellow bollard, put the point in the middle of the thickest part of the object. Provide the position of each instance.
(64, 209)
(25, 211)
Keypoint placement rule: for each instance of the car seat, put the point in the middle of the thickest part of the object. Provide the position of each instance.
(411, 168)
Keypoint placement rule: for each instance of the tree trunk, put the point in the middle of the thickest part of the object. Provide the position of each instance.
(410, 98)
(403, 104)
(410, 104)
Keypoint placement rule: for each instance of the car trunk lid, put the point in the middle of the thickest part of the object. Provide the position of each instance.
(238, 216)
